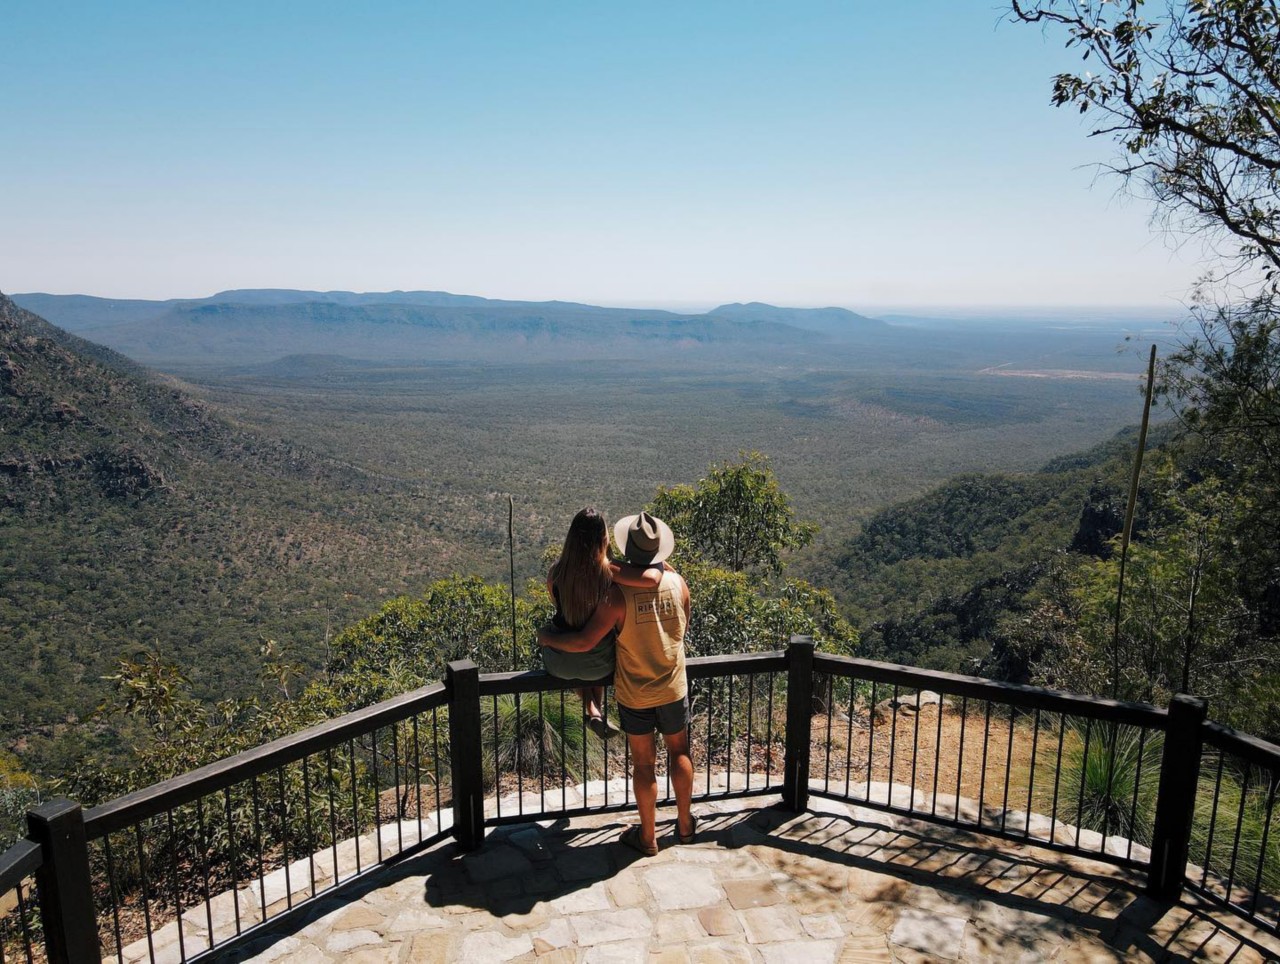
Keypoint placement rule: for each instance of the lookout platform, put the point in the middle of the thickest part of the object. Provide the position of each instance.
(838, 884)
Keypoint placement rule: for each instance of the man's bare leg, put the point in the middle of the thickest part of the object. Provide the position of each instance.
(680, 766)
(644, 780)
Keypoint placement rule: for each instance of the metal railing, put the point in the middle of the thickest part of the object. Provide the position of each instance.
(1235, 845)
(215, 854)
(1064, 772)
(539, 759)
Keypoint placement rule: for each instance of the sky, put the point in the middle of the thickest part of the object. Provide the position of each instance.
(860, 154)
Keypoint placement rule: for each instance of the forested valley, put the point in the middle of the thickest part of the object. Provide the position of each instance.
(197, 563)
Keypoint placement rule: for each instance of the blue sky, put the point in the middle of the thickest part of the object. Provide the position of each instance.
(861, 154)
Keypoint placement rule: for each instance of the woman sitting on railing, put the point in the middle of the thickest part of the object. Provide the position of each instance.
(578, 582)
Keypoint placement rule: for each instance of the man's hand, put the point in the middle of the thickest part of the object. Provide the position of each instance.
(547, 633)
(608, 615)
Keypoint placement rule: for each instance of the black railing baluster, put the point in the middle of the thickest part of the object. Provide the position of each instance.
(1235, 844)
(964, 729)
(395, 771)
(417, 774)
(871, 738)
(284, 838)
(768, 738)
(331, 780)
(1084, 766)
(497, 762)
(1114, 731)
(564, 759)
(848, 743)
(28, 942)
(915, 751)
(435, 755)
(937, 757)
(604, 708)
(1213, 820)
(1008, 771)
(982, 773)
(1031, 777)
(311, 839)
(751, 720)
(146, 890)
(542, 762)
(115, 897)
(377, 795)
(728, 764)
(826, 767)
(626, 771)
(177, 891)
(257, 836)
(1262, 846)
(1130, 831)
(355, 800)
(893, 744)
(202, 857)
(520, 757)
(233, 870)
(1057, 777)
(708, 685)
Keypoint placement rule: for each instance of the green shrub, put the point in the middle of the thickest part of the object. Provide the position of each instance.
(1098, 778)
(1242, 803)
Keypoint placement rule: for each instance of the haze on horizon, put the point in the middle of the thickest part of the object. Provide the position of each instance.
(860, 155)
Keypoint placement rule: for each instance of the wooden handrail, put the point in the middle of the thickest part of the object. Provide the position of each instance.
(1256, 751)
(1010, 694)
(157, 798)
(18, 863)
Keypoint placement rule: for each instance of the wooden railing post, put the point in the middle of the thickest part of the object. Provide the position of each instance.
(795, 786)
(66, 889)
(1176, 800)
(463, 681)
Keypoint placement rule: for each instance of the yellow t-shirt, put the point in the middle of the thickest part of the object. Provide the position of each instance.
(650, 663)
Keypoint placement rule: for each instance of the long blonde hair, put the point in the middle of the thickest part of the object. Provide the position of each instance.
(581, 574)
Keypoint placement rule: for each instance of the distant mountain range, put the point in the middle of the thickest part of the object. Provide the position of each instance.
(255, 326)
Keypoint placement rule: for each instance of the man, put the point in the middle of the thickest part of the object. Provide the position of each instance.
(649, 680)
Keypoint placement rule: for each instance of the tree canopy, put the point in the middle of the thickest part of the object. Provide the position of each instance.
(1191, 92)
(737, 518)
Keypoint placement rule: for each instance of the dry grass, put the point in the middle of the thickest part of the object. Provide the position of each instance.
(917, 749)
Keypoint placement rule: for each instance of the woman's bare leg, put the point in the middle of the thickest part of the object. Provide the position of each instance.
(592, 697)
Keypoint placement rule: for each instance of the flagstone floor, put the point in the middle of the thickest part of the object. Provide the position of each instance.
(840, 884)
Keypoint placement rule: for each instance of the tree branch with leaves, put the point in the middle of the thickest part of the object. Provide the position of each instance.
(1191, 93)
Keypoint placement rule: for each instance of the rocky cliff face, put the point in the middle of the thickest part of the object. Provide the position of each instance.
(79, 420)
(72, 415)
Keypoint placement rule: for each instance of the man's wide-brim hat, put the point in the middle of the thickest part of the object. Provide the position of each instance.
(643, 539)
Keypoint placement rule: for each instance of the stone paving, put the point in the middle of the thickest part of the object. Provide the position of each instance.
(840, 884)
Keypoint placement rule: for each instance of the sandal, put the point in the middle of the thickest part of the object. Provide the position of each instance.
(631, 838)
(601, 727)
(687, 838)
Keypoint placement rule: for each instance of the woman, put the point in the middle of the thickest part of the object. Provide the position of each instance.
(578, 582)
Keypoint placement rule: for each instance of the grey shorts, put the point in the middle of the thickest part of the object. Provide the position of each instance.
(668, 719)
